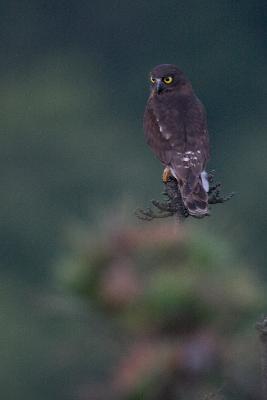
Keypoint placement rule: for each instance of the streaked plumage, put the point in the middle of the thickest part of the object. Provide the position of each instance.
(176, 129)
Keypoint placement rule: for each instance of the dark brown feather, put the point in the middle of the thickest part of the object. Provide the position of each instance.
(176, 129)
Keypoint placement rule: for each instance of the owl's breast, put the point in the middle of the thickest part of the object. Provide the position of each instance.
(171, 113)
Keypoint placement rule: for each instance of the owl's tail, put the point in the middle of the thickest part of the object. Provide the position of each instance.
(196, 199)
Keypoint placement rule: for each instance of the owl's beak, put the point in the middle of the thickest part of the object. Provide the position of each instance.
(159, 86)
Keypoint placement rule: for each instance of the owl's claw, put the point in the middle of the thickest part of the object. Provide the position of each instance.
(166, 174)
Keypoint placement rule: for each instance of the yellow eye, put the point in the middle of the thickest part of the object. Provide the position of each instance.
(153, 80)
(168, 79)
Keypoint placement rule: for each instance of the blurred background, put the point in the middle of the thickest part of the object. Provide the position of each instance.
(96, 304)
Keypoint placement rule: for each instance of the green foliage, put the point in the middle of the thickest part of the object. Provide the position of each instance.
(176, 293)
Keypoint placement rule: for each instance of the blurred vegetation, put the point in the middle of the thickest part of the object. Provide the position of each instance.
(185, 303)
(73, 86)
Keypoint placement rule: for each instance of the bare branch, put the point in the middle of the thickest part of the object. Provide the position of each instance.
(174, 204)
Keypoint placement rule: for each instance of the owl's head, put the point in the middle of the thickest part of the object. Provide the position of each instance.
(167, 78)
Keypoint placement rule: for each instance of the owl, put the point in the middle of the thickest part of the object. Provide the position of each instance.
(175, 127)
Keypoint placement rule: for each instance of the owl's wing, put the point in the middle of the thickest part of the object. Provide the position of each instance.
(178, 134)
(188, 166)
(196, 129)
(161, 133)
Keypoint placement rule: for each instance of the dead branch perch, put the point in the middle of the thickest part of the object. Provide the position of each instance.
(174, 204)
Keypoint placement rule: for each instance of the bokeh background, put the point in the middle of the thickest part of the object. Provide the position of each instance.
(95, 304)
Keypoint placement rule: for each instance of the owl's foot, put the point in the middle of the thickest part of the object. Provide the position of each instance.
(166, 174)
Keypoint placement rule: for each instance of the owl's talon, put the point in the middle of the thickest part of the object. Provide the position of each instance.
(166, 174)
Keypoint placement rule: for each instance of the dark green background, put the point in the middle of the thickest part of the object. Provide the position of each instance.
(73, 86)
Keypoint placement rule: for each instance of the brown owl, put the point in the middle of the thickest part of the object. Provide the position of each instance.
(175, 128)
